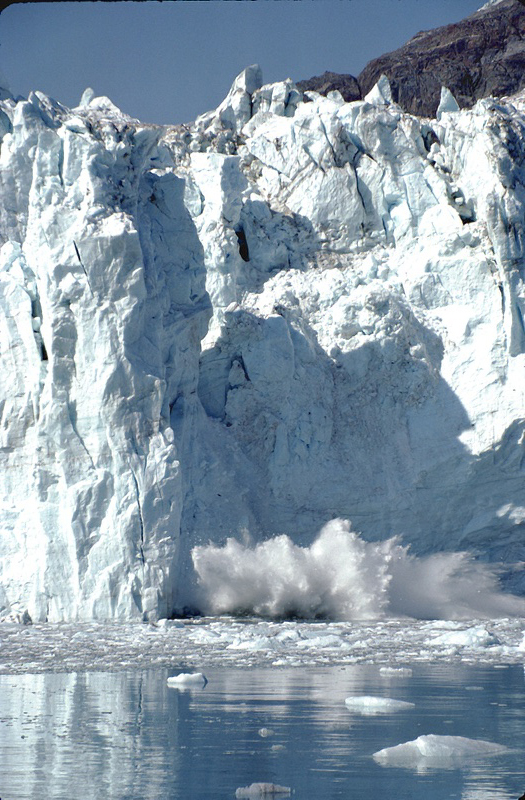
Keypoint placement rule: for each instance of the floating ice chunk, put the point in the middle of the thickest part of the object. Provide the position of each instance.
(166, 624)
(436, 751)
(265, 732)
(478, 636)
(17, 617)
(328, 640)
(396, 672)
(187, 679)
(367, 705)
(262, 790)
(256, 644)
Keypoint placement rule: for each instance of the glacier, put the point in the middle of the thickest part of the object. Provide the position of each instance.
(293, 309)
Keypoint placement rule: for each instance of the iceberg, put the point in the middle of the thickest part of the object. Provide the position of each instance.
(433, 751)
(186, 680)
(395, 672)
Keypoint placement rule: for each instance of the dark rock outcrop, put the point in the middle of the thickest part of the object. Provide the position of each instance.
(482, 55)
(328, 81)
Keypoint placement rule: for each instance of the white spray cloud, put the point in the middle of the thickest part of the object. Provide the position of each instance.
(342, 577)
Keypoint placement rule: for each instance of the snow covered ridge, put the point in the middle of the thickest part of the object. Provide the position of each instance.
(283, 313)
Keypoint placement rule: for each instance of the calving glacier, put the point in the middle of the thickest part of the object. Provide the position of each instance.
(292, 310)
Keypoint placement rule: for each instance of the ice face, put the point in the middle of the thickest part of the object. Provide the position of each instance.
(103, 310)
(286, 312)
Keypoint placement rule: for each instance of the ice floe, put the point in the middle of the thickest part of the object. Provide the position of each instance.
(256, 790)
(185, 680)
(396, 672)
(368, 706)
(437, 751)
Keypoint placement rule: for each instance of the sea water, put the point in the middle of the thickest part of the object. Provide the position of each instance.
(88, 735)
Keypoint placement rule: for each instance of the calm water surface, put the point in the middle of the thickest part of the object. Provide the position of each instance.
(110, 736)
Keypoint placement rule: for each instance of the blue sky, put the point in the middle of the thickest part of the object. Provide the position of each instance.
(167, 62)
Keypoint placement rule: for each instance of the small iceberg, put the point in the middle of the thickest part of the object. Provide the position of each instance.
(365, 705)
(396, 672)
(265, 732)
(436, 751)
(477, 636)
(188, 680)
(256, 790)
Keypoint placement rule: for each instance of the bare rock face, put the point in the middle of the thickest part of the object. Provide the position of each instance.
(482, 55)
(332, 81)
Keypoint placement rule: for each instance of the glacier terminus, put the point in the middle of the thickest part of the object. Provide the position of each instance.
(290, 311)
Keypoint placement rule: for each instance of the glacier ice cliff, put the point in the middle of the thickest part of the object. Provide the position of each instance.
(291, 310)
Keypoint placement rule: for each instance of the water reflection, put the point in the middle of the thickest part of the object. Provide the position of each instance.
(128, 735)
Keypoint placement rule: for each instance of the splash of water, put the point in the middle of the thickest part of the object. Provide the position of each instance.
(342, 577)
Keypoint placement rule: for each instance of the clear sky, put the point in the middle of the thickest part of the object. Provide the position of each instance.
(167, 62)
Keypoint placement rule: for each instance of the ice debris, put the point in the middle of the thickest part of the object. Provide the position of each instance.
(266, 643)
(186, 680)
(265, 732)
(256, 790)
(437, 751)
(396, 672)
(369, 706)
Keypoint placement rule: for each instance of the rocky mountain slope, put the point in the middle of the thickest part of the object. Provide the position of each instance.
(283, 313)
(481, 56)
(346, 85)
